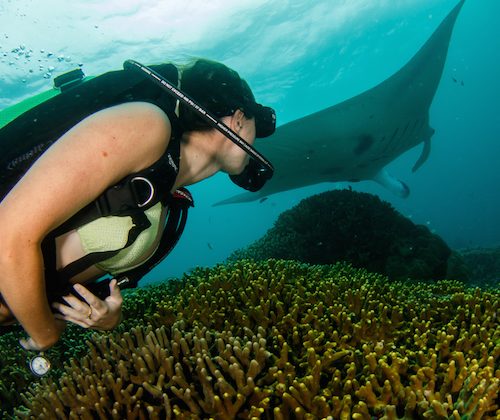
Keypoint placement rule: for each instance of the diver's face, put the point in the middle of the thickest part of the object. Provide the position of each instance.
(235, 158)
(248, 130)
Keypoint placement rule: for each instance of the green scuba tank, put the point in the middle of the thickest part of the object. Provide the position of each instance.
(28, 128)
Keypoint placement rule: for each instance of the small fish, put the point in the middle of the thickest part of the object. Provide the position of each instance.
(262, 199)
(209, 246)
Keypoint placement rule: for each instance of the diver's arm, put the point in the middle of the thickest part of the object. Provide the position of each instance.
(96, 153)
(27, 296)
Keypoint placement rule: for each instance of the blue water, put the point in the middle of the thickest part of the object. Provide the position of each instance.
(299, 57)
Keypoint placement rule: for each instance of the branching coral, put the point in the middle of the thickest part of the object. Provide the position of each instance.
(287, 340)
(160, 373)
(359, 228)
(15, 374)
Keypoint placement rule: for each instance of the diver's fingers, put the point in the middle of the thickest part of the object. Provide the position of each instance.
(70, 310)
(89, 297)
(69, 314)
(74, 302)
(115, 296)
(68, 318)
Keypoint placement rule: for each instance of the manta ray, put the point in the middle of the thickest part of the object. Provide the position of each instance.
(355, 139)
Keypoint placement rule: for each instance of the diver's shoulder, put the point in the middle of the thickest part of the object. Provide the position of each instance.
(139, 120)
(144, 110)
(134, 132)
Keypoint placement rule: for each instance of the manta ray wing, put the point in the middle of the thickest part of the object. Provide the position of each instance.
(356, 139)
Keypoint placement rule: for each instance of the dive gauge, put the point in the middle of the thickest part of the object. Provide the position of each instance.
(39, 365)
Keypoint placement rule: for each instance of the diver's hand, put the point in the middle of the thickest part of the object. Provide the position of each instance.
(92, 312)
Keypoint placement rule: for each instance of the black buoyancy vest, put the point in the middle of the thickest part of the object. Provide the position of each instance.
(25, 138)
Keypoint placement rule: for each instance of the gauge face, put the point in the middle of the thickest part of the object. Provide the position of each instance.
(39, 365)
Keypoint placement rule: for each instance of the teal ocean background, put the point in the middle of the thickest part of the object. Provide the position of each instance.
(299, 57)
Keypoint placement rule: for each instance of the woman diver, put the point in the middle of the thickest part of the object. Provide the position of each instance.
(91, 160)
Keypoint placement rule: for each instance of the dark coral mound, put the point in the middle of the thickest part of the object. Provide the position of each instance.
(483, 265)
(280, 339)
(343, 225)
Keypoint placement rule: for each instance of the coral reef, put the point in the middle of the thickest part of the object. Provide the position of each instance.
(280, 339)
(343, 225)
(15, 374)
(12, 375)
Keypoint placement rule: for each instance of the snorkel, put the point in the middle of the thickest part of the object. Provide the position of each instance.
(259, 170)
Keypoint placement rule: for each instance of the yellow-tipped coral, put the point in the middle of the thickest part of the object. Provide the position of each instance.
(287, 340)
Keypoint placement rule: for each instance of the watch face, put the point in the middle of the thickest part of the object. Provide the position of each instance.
(40, 365)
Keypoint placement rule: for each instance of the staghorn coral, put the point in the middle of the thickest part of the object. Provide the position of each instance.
(360, 228)
(279, 339)
(15, 374)
(160, 373)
